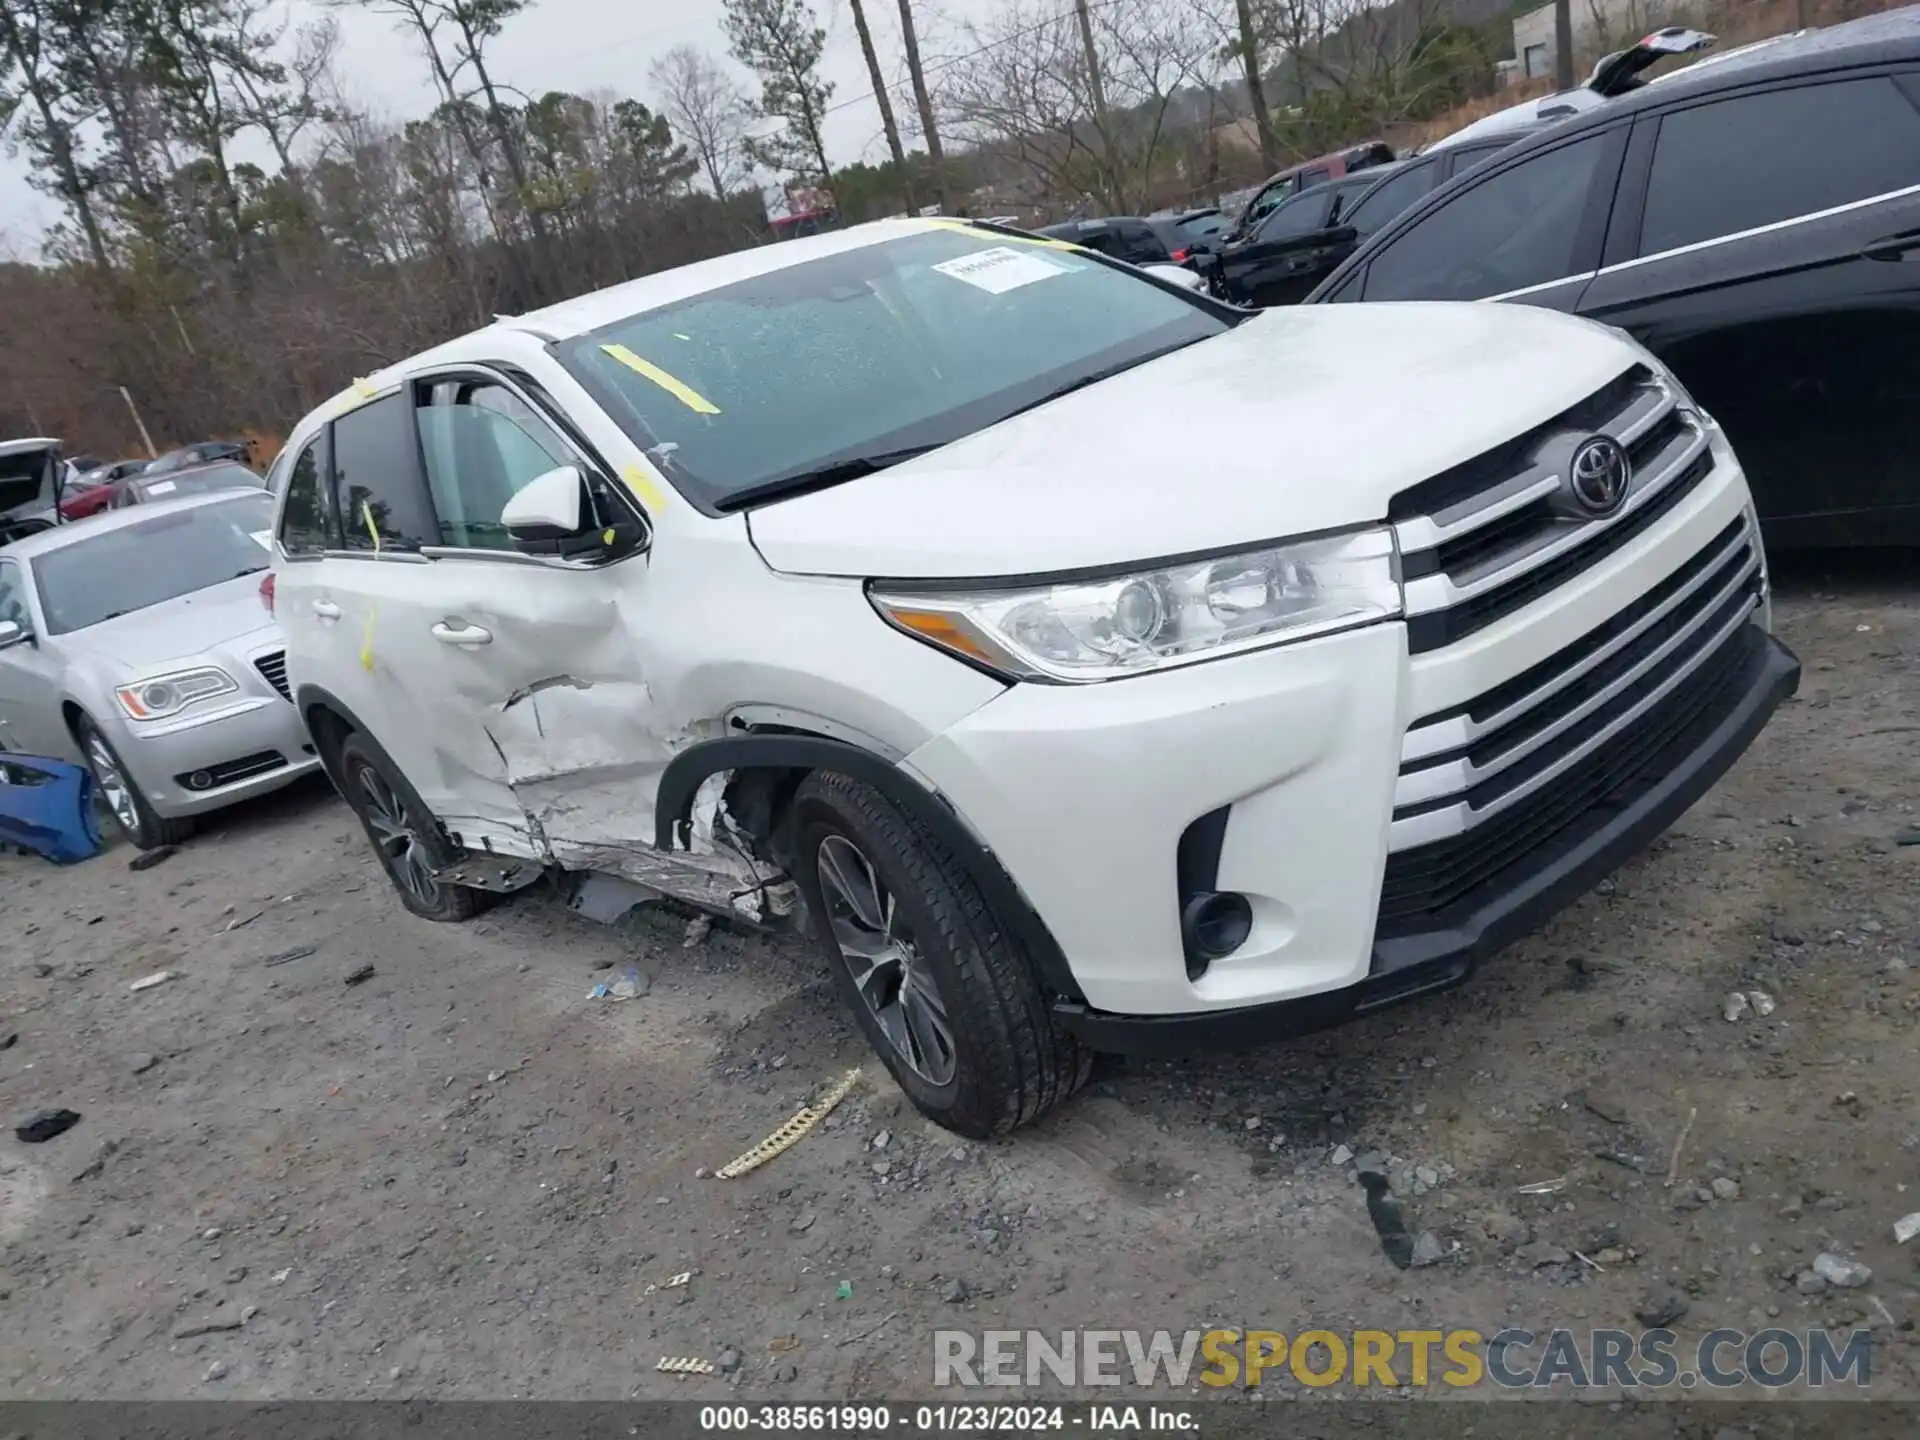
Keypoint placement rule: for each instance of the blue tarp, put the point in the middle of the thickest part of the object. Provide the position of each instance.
(47, 806)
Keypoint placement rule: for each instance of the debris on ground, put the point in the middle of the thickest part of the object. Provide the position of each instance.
(1544, 1187)
(1340, 1156)
(1734, 1008)
(222, 1320)
(158, 977)
(804, 1119)
(674, 1282)
(44, 1126)
(1763, 1003)
(630, 986)
(1388, 1222)
(954, 1292)
(781, 1344)
(1907, 837)
(684, 1365)
(1660, 1308)
(843, 1291)
(1427, 1250)
(1839, 1271)
(698, 929)
(299, 952)
(9, 1040)
(360, 976)
(1906, 1227)
(147, 859)
(238, 921)
(141, 1062)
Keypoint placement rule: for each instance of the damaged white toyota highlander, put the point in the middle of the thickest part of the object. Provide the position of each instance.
(1087, 665)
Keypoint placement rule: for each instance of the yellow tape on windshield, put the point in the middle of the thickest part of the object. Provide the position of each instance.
(1045, 242)
(672, 384)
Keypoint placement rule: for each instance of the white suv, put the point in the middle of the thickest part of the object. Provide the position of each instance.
(885, 563)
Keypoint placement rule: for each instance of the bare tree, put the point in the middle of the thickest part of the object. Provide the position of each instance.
(880, 96)
(923, 101)
(707, 110)
(1023, 90)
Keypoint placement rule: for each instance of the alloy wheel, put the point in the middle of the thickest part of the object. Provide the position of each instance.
(396, 836)
(893, 978)
(113, 784)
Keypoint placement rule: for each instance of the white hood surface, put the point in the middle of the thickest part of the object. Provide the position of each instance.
(1298, 420)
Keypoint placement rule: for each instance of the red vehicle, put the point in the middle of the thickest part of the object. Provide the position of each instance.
(1306, 175)
(92, 491)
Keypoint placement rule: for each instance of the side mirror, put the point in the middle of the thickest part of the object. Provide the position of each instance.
(553, 515)
(12, 633)
(1342, 235)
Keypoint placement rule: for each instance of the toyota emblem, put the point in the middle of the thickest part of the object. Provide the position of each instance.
(1599, 475)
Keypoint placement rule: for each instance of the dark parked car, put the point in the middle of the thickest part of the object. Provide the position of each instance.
(1125, 237)
(204, 452)
(1199, 229)
(1755, 223)
(1305, 238)
(1306, 175)
(145, 487)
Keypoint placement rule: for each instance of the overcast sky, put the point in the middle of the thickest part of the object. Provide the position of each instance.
(582, 46)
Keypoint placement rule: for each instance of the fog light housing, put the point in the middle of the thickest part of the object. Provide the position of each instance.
(1214, 925)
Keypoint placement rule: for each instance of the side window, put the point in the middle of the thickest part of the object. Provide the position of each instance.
(308, 524)
(1315, 177)
(483, 445)
(1344, 197)
(1512, 230)
(1300, 216)
(1264, 202)
(1139, 245)
(13, 596)
(1751, 160)
(1465, 157)
(1390, 197)
(376, 467)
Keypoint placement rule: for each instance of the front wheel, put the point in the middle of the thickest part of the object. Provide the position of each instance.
(943, 989)
(131, 811)
(405, 835)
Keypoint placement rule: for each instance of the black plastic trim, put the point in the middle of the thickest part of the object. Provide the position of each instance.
(1420, 964)
(692, 767)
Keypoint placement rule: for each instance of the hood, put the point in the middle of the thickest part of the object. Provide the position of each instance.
(180, 629)
(1296, 421)
(27, 475)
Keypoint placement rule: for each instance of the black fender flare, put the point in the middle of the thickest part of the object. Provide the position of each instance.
(692, 767)
(309, 698)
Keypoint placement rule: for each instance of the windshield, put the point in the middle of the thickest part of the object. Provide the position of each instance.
(881, 351)
(118, 570)
(198, 482)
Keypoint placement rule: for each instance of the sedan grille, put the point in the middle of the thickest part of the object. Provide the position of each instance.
(274, 668)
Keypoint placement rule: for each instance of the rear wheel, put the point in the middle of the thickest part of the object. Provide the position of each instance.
(404, 834)
(131, 811)
(943, 989)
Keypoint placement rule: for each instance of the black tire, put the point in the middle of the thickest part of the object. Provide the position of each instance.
(1010, 1061)
(132, 814)
(407, 840)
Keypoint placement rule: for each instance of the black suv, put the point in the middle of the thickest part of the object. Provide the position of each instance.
(1755, 223)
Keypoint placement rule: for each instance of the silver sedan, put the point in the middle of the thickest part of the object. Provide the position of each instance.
(141, 645)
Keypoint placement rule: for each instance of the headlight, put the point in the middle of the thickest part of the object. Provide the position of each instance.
(1126, 624)
(166, 695)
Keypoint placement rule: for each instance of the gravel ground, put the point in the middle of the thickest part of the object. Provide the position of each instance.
(462, 1178)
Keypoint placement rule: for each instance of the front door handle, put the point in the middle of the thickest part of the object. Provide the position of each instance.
(1894, 247)
(461, 634)
(326, 609)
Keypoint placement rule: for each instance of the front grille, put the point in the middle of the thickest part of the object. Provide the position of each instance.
(1523, 765)
(212, 777)
(274, 668)
(1486, 538)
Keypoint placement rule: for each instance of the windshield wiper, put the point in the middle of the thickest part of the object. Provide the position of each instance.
(819, 479)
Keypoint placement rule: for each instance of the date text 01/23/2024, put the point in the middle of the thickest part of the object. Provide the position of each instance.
(936, 1419)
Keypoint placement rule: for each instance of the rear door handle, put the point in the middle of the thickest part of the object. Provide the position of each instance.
(326, 609)
(461, 634)
(1894, 247)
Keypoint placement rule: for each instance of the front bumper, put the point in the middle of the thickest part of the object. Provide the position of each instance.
(1660, 787)
(1376, 864)
(246, 748)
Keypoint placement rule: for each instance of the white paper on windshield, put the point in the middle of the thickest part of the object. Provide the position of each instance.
(262, 538)
(162, 487)
(1000, 269)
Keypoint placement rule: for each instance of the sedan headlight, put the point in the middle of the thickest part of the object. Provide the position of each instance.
(166, 695)
(1127, 624)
